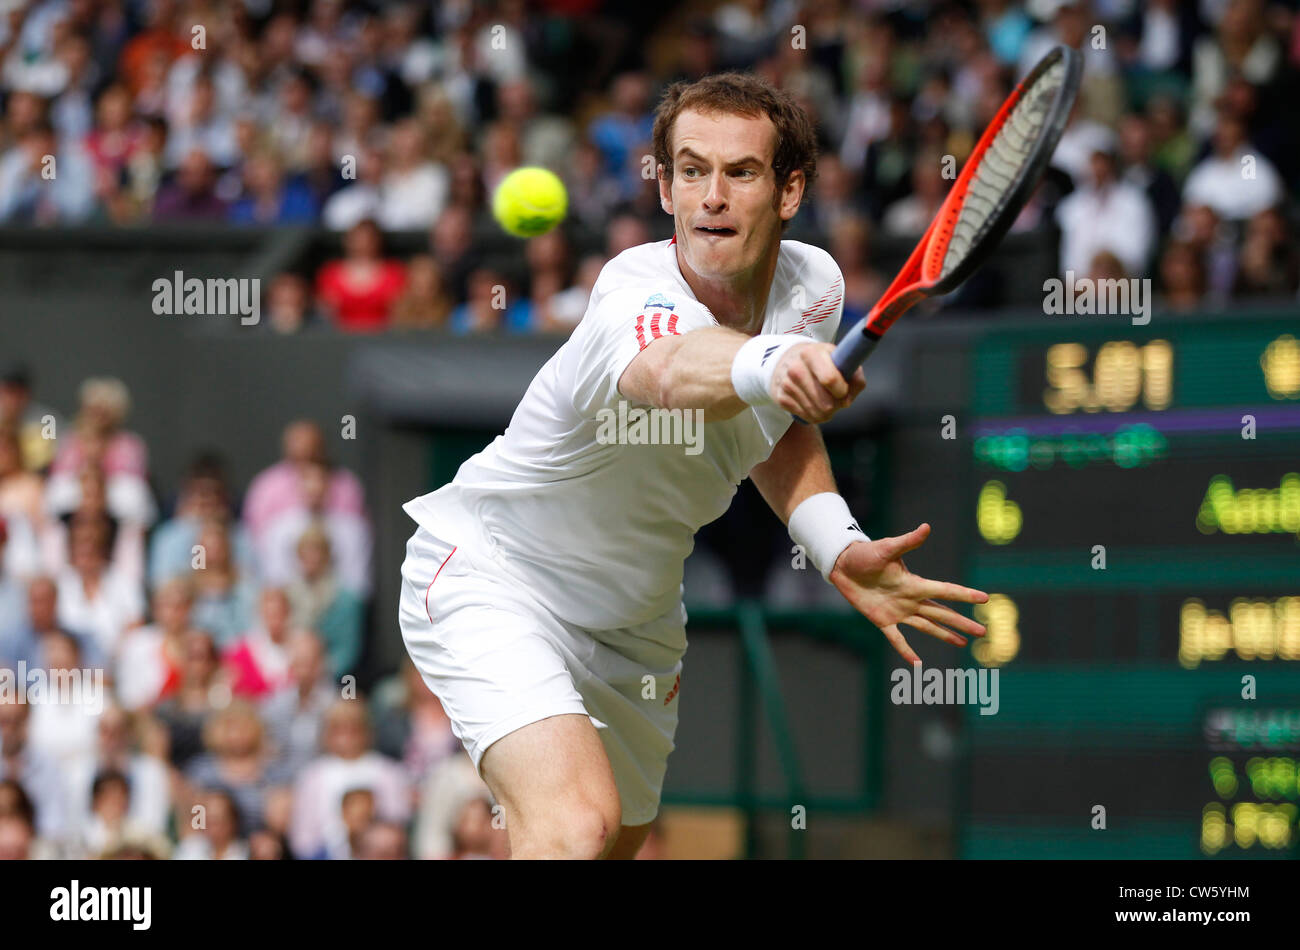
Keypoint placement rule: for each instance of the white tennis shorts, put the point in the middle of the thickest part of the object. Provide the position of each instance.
(498, 660)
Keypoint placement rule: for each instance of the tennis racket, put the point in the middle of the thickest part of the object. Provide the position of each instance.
(997, 180)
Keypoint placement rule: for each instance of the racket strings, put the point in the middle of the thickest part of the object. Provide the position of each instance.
(1002, 164)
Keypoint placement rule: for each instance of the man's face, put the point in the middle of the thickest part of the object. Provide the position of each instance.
(722, 178)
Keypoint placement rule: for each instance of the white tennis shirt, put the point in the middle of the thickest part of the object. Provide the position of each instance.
(592, 513)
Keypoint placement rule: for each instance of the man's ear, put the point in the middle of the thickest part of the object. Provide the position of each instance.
(791, 195)
(665, 190)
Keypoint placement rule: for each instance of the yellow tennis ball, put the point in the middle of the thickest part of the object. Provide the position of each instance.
(530, 201)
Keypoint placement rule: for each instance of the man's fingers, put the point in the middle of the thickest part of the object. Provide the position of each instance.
(933, 629)
(942, 590)
(893, 636)
(824, 371)
(898, 546)
(950, 618)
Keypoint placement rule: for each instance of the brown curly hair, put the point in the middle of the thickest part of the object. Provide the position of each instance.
(737, 93)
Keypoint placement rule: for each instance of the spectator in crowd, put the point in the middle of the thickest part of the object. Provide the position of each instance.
(18, 840)
(144, 172)
(1182, 277)
(475, 836)
(36, 425)
(625, 231)
(1106, 214)
(1140, 171)
(122, 502)
(545, 140)
(358, 814)
(911, 216)
(1172, 147)
(95, 598)
(150, 659)
(410, 724)
(414, 189)
(850, 245)
(37, 772)
(451, 244)
(99, 434)
(148, 780)
(357, 292)
(259, 660)
(320, 601)
(361, 200)
(190, 194)
(348, 534)
(383, 841)
(45, 183)
(1215, 248)
(213, 832)
(266, 845)
(22, 492)
(295, 713)
(268, 199)
(565, 309)
(1269, 260)
(593, 192)
(491, 306)
(623, 133)
(224, 597)
(38, 624)
(203, 689)
(199, 126)
(239, 760)
(425, 303)
(111, 825)
(116, 136)
(1242, 44)
(204, 496)
(279, 488)
(12, 608)
(348, 763)
(1235, 180)
(64, 728)
(289, 307)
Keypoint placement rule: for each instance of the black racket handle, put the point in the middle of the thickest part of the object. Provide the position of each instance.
(853, 351)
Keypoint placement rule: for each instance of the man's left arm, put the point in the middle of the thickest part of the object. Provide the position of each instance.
(797, 483)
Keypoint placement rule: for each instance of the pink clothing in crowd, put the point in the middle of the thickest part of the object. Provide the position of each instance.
(279, 488)
(125, 453)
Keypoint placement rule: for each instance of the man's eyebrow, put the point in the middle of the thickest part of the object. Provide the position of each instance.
(685, 152)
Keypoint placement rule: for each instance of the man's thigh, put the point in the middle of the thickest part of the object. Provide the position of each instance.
(546, 771)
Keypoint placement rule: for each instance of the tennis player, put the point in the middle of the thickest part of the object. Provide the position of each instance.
(542, 590)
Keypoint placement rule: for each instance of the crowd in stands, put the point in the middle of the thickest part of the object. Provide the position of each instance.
(1180, 162)
(226, 634)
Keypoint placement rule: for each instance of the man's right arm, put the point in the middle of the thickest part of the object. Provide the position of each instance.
(694, 371)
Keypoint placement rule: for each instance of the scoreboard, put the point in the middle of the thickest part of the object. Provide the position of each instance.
(1132, 506)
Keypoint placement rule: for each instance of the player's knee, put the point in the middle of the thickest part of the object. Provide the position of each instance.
(582, 830)
(592, 828)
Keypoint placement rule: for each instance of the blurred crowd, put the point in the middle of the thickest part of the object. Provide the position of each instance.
(1180, 162)
(227, 632)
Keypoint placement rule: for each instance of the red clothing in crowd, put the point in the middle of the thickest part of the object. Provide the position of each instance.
(361, 305)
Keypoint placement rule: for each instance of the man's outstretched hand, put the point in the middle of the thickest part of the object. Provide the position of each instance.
(872, 577)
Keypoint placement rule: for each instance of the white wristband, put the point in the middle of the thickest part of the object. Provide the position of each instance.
(823, 526)
(755, 362)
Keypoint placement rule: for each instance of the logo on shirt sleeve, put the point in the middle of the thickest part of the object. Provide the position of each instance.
(656, 315)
